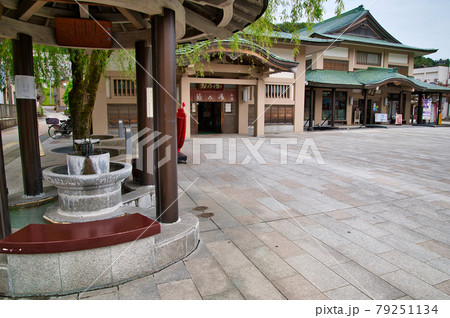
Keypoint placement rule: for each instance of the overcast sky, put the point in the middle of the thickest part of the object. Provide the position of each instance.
(419, 23)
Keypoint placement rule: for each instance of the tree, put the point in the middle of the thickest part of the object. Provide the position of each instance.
(87, 69)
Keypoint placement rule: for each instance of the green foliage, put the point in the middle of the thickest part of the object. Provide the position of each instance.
(422, 61)
(65, 96)
(264, 32)
(47, 100)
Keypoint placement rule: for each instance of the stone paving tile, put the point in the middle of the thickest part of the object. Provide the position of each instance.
(444, 286)
(269, 263)
(248, 219)
(212, 236)
(281, 245)
(252, 284)
(273, 204)
(228, 255)
(408, 248)
(260, 228)
(434, 234)
(200, 252)
(442, 264)
(368, 260)
(229, 295)
(403, 232)
(317, 273)
(297, 287)
(346, 293)
(414, 267)
(365, 227)
(413, 287)
(179, 290)
(243, 238)
(437, 247)
(263, 212)
(174, 272)
(100, 294)
(326, 235)
(208, 276)
(289, 230)
(139, 289)
(339, 215)
(322, 252)
(372, 285)
(207, 225)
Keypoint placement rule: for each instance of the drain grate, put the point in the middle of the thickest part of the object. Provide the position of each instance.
(206, 215)
(200, 208)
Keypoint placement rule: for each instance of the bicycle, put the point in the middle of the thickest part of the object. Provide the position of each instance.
(59, 128)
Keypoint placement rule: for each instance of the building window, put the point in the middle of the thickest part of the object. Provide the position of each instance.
(340, 110)
(335, 65)
(308, 65)
(124, 87)
(400, 69)
(307, 103)
(367, 58)
(126, 112)
(278, 91)
(279, 115)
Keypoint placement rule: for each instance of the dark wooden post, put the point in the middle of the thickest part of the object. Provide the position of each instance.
(439, 108)
(420, 109)
(145, 121)
(164, 110)
(366, 101)
(27, 116)
(311, 109)
(333, 105)
(5, 221)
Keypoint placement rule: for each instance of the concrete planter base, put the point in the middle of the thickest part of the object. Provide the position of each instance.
(23, 275)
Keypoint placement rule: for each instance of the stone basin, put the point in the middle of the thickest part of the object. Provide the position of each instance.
(85, 198)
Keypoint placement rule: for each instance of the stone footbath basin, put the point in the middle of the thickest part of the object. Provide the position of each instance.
(84, 198)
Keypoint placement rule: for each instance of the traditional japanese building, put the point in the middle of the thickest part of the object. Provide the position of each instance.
(350, 62)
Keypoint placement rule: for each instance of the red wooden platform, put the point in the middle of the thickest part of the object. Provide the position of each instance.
(57, 238)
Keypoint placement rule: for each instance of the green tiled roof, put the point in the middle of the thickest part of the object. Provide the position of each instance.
(332, 77)
(337, 22)
(358, 39)
(370, 78)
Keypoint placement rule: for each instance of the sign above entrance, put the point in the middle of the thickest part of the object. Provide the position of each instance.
(213, 96)
(210, 86)
(83, 33)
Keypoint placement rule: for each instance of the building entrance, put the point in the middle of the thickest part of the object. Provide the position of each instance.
(209, 117)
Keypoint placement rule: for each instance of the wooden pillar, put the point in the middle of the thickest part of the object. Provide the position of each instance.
(243, 110)
(333, 105)
(365, 106)
(259, 108)
(164, 110)
(311, 110)
(439, 110)
(27, 115)
(420, 109)
(5, 221)
(144, 113)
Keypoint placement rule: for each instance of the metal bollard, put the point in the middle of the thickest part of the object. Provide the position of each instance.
(120, 128)
(128, 142)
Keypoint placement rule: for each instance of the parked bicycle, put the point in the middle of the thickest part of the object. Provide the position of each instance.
(59, 128)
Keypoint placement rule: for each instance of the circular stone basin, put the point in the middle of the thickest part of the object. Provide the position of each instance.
(85, 198)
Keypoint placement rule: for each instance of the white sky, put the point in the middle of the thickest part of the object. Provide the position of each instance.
(418, 23)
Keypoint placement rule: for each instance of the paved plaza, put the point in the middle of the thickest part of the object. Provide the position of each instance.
(370, 221)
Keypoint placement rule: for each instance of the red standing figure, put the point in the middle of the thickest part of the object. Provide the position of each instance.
(181, 133)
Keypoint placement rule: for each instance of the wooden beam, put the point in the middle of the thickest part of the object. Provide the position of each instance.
(9, 28)
(28, 8)
(84, 11)
(1, 10)
(205, 25)
(134, 17)
(10, 4)
(214, 3)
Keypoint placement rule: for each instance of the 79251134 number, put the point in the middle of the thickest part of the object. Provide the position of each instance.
(406, 309)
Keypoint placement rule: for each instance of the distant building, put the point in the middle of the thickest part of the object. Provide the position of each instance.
(350, 61)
